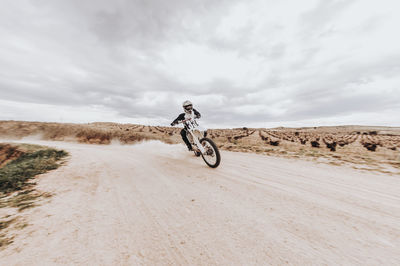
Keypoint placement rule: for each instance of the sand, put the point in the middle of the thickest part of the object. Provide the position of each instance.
(156, 204)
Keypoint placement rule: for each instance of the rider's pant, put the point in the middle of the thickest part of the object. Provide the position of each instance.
(185, 139)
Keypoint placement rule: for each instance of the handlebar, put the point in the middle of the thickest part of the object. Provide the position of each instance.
(184, 121)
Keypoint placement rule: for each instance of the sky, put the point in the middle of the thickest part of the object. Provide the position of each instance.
(255, 63)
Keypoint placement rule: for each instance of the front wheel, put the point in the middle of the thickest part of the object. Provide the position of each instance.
(211, 156)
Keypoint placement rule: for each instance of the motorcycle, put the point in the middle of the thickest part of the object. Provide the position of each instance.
(201, 145)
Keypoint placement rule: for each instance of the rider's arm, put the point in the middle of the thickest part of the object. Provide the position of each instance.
(179, 118)
(196, 113)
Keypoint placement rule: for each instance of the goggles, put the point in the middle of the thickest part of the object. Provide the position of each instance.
(188, 107)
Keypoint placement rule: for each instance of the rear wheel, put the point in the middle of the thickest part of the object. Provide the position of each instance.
(211, 156)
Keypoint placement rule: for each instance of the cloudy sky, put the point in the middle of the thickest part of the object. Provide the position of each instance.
(257, 63)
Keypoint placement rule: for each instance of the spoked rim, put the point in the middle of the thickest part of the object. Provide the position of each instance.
(211, 155)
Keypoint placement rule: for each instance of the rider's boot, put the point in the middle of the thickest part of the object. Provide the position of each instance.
(185, 139)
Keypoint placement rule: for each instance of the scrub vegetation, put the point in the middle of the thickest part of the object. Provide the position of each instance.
(358, 146)
(19, 164)
(16, 173)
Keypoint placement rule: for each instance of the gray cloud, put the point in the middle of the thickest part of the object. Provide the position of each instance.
(118, 55)
(324, 13)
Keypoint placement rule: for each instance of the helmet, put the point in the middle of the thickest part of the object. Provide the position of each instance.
(187, 106)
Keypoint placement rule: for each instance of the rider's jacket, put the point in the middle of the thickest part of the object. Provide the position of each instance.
(183, 116)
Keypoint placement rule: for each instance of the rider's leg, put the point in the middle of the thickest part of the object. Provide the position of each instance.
(185, 139)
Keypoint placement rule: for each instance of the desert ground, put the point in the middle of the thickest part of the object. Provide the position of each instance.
(132, 195)
(361, 147)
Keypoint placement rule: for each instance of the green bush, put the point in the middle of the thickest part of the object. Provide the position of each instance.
(15, 174)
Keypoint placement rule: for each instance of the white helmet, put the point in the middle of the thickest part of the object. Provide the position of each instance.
(187, 106)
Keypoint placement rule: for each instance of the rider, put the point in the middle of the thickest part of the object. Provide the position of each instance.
(190, 112)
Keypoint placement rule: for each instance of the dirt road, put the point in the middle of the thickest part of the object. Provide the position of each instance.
(156, 204)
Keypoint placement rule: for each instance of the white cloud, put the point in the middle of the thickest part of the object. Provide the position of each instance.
(241, 62)
(199, 64)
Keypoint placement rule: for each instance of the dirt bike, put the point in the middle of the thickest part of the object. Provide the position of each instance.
(201, 145)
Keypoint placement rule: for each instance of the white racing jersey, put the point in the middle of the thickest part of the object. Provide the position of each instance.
(194, 114)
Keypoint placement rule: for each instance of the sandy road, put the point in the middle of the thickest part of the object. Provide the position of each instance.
(155, 204)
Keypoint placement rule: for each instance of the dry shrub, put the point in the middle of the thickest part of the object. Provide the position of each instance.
(8, 153)
(94, 136)
(315, 144)
(57, 131)
(370, 146)
(130, 138)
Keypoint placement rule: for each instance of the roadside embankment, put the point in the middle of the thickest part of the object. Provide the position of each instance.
(19, 164)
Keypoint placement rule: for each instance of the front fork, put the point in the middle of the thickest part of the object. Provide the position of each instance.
(198, 144)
